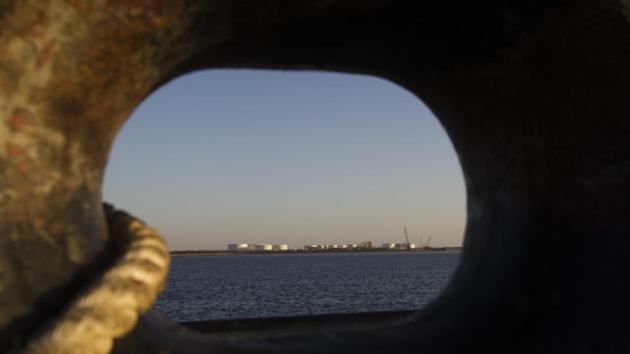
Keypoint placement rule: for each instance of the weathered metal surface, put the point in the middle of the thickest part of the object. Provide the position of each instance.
(70, 74)
(534, 95)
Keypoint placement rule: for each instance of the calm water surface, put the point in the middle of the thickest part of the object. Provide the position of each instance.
(267, 285)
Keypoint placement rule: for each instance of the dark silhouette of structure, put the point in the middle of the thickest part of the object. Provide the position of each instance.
(533, 94)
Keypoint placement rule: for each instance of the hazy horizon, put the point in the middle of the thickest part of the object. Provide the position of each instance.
(220, 157)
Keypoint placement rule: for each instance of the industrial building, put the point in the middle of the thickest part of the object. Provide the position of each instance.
(259, 247)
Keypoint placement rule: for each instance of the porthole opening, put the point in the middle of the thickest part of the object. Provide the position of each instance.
(291, 193)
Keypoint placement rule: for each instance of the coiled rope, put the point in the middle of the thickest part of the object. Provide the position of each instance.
(109, 308)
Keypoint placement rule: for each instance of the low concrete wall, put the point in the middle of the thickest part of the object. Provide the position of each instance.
(282, 326)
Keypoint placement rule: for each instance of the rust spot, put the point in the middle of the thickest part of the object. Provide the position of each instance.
(37, 28)
(159, 22)
(81, 6)
(177, 8)
(22, 168)
(46, 54)
(137, 7)
(41, 19)
(14, 150)
(38, 222)
(57, 230)
(166, 7)
(18, 118)
(15, 214)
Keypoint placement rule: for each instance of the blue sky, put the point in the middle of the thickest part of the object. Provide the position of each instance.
(225, 156)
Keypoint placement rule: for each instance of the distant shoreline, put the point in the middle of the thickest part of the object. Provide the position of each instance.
(244, 253)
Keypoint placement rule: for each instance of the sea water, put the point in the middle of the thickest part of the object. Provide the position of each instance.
(269, 285)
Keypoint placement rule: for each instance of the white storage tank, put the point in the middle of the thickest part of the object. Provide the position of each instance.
(238, 247)
(282, 247)
(263, 247)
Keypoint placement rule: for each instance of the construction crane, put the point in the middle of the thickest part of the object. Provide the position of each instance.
(407, 244)
(426, 245)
